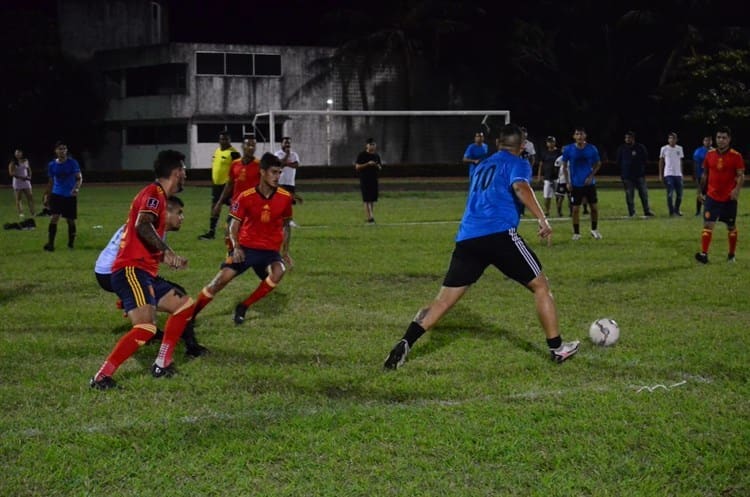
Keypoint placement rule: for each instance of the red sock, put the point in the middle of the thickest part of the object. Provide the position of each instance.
(732, 241)
(706, 239)
(173, 329)
(204, 298)
(126, 347)
(263, 289)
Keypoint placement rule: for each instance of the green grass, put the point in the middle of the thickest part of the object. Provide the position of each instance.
(294, 402)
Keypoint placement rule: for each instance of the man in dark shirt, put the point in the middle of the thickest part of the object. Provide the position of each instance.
(368, 165)
(631, 159)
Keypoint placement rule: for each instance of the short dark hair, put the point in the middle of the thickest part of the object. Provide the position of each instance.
(370, 141)
(672, 133)
(167, 161)
(286, 138)
(579, 128)
(248, 136)
(630, 133)
(724, 129)
(60, 142)
(225, 132)
(174, 199)
(269, 160)
(510, 135)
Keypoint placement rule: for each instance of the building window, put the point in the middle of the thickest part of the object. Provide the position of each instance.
(163, 79)
(237, 64)
(209, 63)
(267, 65)
(156, 135)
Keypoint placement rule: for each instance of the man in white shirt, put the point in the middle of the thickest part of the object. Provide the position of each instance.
(289, 162)
(670, 172)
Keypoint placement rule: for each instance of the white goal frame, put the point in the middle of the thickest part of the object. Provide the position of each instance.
(272, 114)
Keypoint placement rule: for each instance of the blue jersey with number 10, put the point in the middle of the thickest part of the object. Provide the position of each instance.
(492, 206)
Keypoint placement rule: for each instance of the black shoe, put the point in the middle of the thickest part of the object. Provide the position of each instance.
(49, 247)
(207, 236)
(239, 314)
(163, 372)
(106, 383)
(371, 220)
(649, 214)
(195, 350)
(731, 258)
(701, 257)
(397, 355)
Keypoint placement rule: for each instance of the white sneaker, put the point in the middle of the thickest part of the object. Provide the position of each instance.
(292, 224)
(596, 234)
(576, 236)
(565, 351)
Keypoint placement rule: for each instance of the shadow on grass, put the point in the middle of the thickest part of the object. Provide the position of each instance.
(7, 295)
(643, 273)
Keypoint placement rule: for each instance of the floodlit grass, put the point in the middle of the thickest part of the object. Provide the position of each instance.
(294, 402)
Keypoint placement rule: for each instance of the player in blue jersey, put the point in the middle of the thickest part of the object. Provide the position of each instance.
(698, 157)
(65, 180)
(476, 152)
(498, 187)
(580, 165)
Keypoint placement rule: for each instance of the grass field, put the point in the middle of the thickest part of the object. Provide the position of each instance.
(295, 403)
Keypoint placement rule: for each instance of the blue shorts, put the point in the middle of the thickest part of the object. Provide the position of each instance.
(714, 211)
(137, 288)
(259, 260)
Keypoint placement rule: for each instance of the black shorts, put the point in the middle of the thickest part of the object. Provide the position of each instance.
(369, 188)
(66, 207)
(258, 260)
(578, 193)
(507, 251)
(561, 189)
(216, 191)
(714, 211)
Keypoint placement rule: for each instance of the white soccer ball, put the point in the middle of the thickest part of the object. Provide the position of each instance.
(604, 332)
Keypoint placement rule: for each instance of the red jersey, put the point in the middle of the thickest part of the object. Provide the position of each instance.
(262, 218)
(244, 176)
(722, 173)
(133, 252)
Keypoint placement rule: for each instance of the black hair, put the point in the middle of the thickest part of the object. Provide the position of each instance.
(579, 128)
(60, 142)
(510, 135)
(630, 133)
(226, 133)
(286, 138)
(167, 161)
(724, 129)
(269, 160)
(174, 199)
(248, 136)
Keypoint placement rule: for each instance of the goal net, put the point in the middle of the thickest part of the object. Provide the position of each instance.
(335, 137)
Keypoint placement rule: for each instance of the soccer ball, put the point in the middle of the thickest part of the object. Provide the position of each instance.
(604, 332)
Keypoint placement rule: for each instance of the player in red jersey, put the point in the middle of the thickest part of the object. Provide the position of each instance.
(723, 176)
(134, 274)
(259, 217)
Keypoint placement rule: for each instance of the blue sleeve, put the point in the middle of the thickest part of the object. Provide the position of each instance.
(697, 155)
(76, 166)
(466, 153)
(521, 172)
(595, 155)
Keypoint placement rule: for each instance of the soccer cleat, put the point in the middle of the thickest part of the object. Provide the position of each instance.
(596, 234)
(731, 258)
(163, 372)
(565, 351)
(649, 214)
(207, 236)
(576, 236)
(371, 221)
(105, 383)
(239, 314)
(397, 355)
(292, 224)
(49, 247)
(195, 350)
(701, 257)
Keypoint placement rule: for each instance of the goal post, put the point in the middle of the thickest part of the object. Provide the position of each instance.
(335, 137)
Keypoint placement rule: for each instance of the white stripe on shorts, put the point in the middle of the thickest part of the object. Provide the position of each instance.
(525, 252)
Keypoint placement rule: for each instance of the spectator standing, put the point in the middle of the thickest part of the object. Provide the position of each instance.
(631, 159)
(698, 157)
(369, 165)
(20, 171)
(65, 181)
(289, 162)
(723, 176)
(580, 164)
(670, 173)
(220, 163)
(548, 172)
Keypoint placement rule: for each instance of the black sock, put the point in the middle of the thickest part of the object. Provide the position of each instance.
(413, 332)
(212, 224)
(554, 343)
(71, 233)
(594, 224)
(52, 233)
(577, 229)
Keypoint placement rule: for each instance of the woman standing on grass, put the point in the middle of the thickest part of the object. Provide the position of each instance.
(20, 170)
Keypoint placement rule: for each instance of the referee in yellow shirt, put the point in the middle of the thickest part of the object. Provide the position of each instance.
(221, 160)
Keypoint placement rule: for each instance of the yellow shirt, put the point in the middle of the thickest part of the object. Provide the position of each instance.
(220, 163)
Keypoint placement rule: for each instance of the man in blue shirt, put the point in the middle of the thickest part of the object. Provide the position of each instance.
(698, 157)
(631, 158)
(62, 191)
(498, 187)
(580, 164)
(476, 152)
